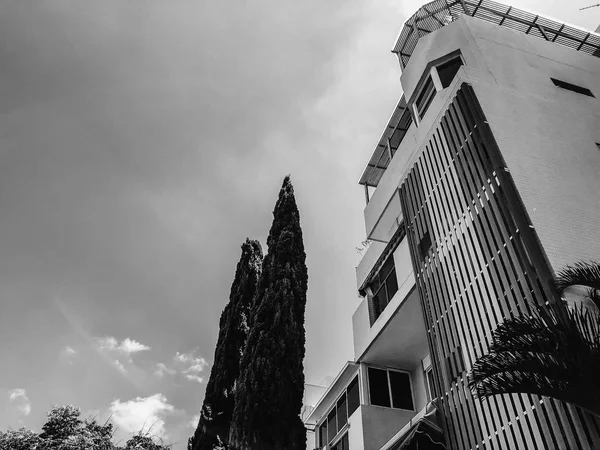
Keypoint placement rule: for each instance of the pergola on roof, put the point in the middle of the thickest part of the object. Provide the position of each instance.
(388, 144)
(436, 14)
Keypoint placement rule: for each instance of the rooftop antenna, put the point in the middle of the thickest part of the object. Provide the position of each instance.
(588, 7)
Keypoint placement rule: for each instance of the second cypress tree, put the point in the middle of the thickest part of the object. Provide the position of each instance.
(271, 382)
(213, 428)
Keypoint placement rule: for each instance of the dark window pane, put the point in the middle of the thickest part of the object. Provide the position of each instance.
(379, 302)
(401, 393)
(323, 435)
(447, 71)
(392, 285)
(378, 387)
(342, 444)
(331, 426)
(387, 267)
(342, 413)
(425, 97)
(344, 441)
(572, 87)
(353, 396)
(425, 245)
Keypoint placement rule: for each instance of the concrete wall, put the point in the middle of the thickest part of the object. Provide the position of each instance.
(547, 135)
(380, 424)
(355, 430)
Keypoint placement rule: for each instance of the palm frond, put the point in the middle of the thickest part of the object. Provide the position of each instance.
(554, 352)
(585, 273)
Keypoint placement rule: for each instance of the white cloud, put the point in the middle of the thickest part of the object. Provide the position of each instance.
(18, 397)
(130, 346)
(193, 423)
(145, 414)
(69, 351)
(119, 366)
(127, 346)
(187, 364)
(162, 370)
(194, 378)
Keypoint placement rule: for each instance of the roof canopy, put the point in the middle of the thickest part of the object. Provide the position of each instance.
(392, 136)
(436, 14)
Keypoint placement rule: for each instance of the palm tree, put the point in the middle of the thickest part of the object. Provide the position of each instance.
(555, 351)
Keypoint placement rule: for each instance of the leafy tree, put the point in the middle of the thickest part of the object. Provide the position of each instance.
(21, 439)
(65, 430)
(143, 442)
(271, 382)
(215, 417)
(554, 352)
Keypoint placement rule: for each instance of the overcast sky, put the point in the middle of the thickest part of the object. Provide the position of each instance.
(140, 143)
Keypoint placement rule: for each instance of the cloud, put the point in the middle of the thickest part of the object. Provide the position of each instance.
(162, 370)
(193, 423)
(119, 366)
(18, 397)
(187, 364)
(127, 346)
(69, 351)
(142, 414)
(194, 378)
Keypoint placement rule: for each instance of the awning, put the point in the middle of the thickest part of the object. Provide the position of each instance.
(423, 433)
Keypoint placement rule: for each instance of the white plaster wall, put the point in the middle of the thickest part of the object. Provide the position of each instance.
(546, 134)
(355, 430)
(380, 424)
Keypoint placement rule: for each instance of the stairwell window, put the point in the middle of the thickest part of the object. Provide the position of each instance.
(390, 388)
(384, 285)
(425, 97)
(447, 71)
(572, 87)
(337, 418)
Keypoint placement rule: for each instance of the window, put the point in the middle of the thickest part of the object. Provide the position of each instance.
(342, 412)
(353, 396)
(425, 97)
(430, 384)
(384, 285)
(425, 245)
(390, 388)
(331, 425)
(455, 364)
(338, 416)
(447, 71)
(323, 434)
(572, 87)
(342, 444)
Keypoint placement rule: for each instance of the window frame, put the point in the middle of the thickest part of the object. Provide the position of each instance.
(430, 73)
(427, 373)
(383, 285)
(344, 428)
(388, 370)
(456, 55)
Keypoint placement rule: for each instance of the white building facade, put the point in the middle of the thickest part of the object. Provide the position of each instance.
(485, 182)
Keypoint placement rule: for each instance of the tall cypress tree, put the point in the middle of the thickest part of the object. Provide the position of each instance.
(215, 417)
(271, 382)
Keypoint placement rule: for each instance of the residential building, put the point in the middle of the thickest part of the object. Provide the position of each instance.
(485, 182)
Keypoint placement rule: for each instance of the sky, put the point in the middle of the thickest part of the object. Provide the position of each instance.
(141, 142)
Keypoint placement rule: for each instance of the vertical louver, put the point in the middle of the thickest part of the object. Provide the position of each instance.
(483, 264)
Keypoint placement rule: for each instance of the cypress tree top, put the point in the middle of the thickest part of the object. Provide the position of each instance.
(213, 428)
(271, 383)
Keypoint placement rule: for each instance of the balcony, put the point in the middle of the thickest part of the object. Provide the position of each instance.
(401, 314)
